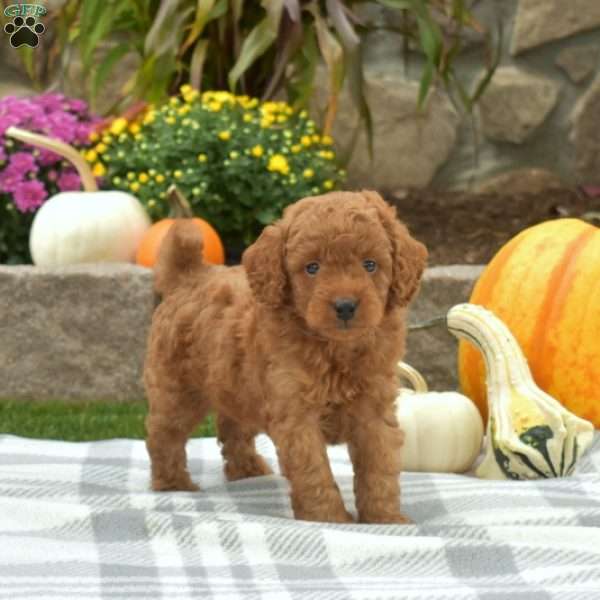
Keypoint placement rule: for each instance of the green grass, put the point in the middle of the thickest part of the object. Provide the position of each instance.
(78, 422)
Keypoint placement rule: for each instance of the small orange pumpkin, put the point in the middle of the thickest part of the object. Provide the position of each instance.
(147, 251)
(545, 285)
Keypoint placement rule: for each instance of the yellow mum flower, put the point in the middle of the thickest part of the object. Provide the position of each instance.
(150, 116)
(99, 170)
(327, 140)
(143, 177)
(118, 125)
(305, 140)
(174, 101)
(308, 173)
(257, 151)
(326, 154)
(328, 184)
(170, 120)
(281, 118)
(178, 174)
(159, 178)
(134, 186)
(315, 138)
(131, 176)
(134, 128)
(107, 139)
(278, 163)
(215, 106)
(183, 110)
(90, 155)
(233, 154)
(296, 148)
(101, 148)
(201, 157)
(94, 137)
(247, 117)
(191, 96)
(186, 88)
(225, 135)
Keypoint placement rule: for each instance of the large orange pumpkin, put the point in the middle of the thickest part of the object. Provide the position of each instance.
(545, 285)
(147, 251)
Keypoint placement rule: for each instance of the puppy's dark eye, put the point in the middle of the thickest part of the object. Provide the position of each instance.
(312, 268)
(370, 266)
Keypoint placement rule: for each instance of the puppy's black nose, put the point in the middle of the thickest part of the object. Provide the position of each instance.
(345, 308)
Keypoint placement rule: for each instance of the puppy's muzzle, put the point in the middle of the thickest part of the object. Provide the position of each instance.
(345, 308)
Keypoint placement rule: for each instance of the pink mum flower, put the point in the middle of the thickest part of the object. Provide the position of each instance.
(30, 195)
(69, 181)
(23, 162)
(10, 178)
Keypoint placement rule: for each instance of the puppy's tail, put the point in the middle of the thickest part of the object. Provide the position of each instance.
(179, 259)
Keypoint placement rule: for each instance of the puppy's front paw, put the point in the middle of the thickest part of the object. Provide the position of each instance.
(325, 516)
(382, 519)
(182, 484)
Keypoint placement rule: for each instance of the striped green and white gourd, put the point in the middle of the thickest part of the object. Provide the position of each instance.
(529, 434)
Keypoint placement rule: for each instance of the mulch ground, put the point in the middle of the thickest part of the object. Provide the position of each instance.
(463, 227)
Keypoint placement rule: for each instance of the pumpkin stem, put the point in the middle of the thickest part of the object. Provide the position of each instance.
(413, 376)
(180, 207)
(68, 152)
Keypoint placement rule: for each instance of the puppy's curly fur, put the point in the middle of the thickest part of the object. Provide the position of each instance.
(264, 345)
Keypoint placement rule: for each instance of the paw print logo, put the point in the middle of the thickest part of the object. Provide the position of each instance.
(24, 32)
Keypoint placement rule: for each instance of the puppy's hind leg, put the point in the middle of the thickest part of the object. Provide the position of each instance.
(167, 435)
(238, 450)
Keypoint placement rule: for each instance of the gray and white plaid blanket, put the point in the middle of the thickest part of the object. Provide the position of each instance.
(78, 521)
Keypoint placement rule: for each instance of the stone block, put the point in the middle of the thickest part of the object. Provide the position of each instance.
(79, 332)
(515, 104)
(409, 144)
(585, 135)
(74, 332)
(434, 351)
(540, 21)
(578, 62)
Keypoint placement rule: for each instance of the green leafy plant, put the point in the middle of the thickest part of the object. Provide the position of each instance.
(257, 48)
(239, 161)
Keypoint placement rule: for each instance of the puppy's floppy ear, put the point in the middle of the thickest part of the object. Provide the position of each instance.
(409, 256)
(263, 262)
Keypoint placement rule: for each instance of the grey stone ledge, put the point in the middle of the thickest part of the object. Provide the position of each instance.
(79, 332)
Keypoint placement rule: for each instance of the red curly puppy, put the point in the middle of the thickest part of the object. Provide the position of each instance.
(300, 342)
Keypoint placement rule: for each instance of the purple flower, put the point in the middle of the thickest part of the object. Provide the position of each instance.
(47, 157)
(69, 181)
(10, 178)
(77, 105)
(7, 121)
(30, 195)
(23, 162)
(2, 154)
(62, 125)
(51, 102)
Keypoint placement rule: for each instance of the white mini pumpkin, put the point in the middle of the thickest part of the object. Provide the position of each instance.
(87, 226)
(443, 430)
(80, 227)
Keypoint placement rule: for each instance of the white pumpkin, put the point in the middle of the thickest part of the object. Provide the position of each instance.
(88, 226)
(443, 430)
(79, 227)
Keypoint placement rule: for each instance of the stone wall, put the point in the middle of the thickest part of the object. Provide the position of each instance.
(541, 110)
(79, 332)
